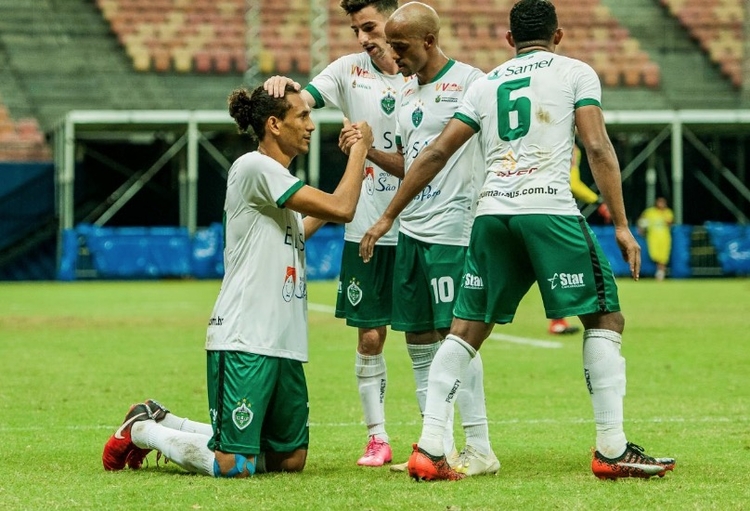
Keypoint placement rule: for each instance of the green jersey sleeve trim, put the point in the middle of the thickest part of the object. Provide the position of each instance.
(291, 191)
(468, 121)
(398, 140)
(587, 102)
(319, 101)
(442, 72)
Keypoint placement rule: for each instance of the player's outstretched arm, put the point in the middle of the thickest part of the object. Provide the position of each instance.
(340, 205)
(606, 171)
(276, 85)
(429, 162)
(391, 162)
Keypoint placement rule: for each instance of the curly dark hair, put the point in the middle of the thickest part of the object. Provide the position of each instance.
(382, 6)
(533, 20)
(252, 109)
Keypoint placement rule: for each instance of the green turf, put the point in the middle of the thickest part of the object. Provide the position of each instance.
(73, 356)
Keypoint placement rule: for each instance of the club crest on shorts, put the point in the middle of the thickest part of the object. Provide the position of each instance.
(242, 416)
(290, 282)
(388, 101)
(354, 292)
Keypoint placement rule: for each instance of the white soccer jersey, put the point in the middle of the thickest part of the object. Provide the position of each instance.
(443, 212)
(262, 304)
(525, 112)
(359, 89)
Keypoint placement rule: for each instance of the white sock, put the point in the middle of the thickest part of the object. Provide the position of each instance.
(447, 369)
(372, 381)
(172, 421)
(421, 358)
(471, 405)
(604, 370)
(188, 450)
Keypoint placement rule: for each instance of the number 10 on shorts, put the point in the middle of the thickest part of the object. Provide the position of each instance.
(442, 289)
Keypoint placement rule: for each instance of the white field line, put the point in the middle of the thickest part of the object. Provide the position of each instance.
(537, 343)
(352, 424)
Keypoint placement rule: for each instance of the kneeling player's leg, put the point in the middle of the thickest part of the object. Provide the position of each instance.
(285, 433)
(187, 450)
(240, 386)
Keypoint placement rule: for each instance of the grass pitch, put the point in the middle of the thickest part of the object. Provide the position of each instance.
(74, 356)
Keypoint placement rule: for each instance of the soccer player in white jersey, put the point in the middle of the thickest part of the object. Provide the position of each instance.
(528, 229)
(256, 342)
(366, 86)
(435, 226)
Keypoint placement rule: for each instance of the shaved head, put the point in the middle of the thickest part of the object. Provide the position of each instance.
(416, 18)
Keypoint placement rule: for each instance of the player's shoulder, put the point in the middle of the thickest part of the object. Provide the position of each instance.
(573, 64)
(255, 162)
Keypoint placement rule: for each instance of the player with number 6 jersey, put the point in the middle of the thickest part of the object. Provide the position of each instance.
(527, 160)
(529, 231)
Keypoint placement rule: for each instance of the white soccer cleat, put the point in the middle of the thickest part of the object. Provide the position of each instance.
(473, 463)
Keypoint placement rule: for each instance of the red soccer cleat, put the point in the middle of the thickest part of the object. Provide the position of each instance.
(632, 463)
(119, 449)
(422, 466)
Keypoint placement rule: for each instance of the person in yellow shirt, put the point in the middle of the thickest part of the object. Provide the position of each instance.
(655, 224)
(585, 194)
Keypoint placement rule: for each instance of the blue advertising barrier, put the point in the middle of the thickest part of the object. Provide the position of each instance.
(679, 262)
(155, 252)
(732, 244)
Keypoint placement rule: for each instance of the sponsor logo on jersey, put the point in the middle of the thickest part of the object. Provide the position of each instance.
(527, 68)
(301, 289)
(362, 73)
(427, 193)
(216, 321)
(242, 416)
(354, 292)
(408, 93)
(445, 99)
(566, 280)
(473, 281)
(370, 180)
(388, 101)
(509, 161)
(448, 87)
(356, 85)
(290, 283)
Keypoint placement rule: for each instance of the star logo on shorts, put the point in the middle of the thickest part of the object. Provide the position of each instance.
(553, 281)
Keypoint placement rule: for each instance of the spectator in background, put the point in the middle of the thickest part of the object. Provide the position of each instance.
(655, 225)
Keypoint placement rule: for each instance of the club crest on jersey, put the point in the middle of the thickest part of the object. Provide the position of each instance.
(290, 282)
(242, 416)
(416, 116)
(370, 180)
(388, 101)
(354, 292)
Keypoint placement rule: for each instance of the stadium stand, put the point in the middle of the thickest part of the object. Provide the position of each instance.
(22, 139)
(717, 25)
(206, 37)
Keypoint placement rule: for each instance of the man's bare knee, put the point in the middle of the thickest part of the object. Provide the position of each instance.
(286, 461)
